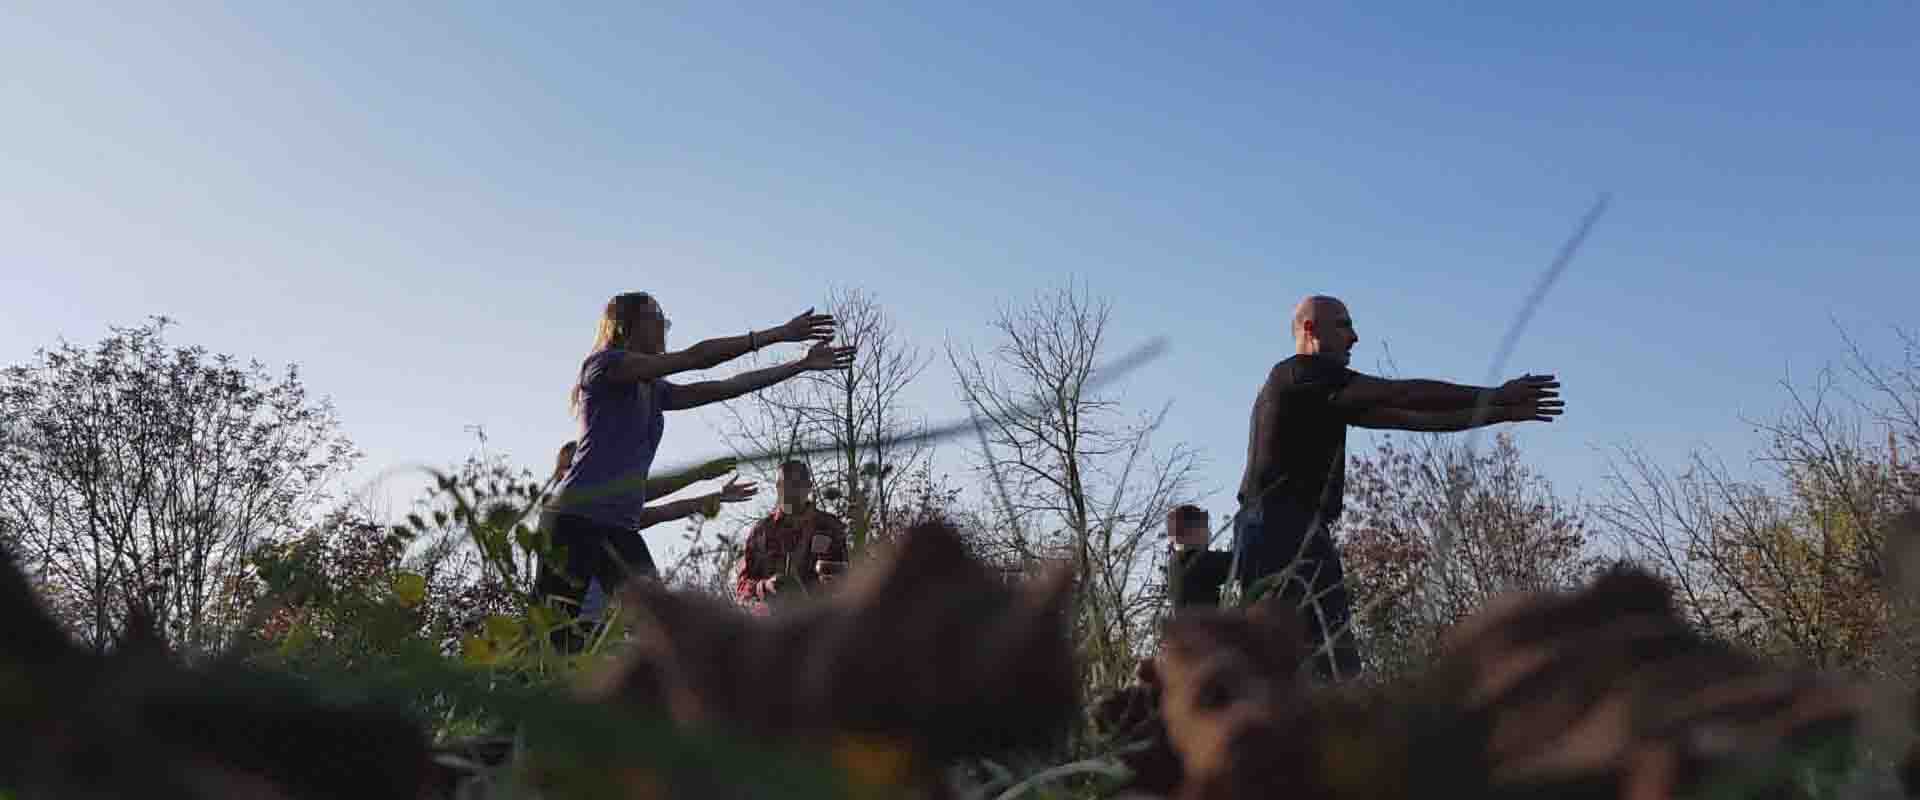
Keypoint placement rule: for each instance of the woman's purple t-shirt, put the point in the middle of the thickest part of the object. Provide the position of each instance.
(620, 428)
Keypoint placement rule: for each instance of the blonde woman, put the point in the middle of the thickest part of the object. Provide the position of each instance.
(620, 397)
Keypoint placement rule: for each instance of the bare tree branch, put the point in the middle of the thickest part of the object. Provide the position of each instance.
(134, 473)
(1077, 479)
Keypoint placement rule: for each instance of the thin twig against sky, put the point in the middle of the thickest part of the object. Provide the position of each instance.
(1448, 531)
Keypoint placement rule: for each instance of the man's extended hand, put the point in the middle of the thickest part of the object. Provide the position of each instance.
(1526, 389)
(1530, 411)
(808, 325)
(824, 356)
(736, 491)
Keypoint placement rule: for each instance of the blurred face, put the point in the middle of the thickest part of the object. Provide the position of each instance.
(1328, 331)
(649, 328)
(1191, 533)
(795, 487)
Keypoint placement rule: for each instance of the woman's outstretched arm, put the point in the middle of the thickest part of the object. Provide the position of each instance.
(711, 353)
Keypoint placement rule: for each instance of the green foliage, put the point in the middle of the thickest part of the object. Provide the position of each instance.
(346, 595)
(340, 611)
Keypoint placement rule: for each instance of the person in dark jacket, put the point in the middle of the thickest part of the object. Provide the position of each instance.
(1195, 574)
(1292, 490)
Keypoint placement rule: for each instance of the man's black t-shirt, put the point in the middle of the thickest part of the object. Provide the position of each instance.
(1301, 460)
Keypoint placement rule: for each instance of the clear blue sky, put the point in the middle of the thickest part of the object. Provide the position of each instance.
(425, 210)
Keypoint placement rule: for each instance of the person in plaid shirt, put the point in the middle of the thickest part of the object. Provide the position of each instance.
(793, 549)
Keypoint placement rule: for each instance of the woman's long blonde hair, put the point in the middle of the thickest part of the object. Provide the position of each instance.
(616, 326)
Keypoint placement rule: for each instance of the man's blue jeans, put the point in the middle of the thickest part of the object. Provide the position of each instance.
(1266, 541)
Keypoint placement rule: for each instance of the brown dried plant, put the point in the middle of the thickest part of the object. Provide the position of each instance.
(923, 656)
(135, 723)
(1601, 692)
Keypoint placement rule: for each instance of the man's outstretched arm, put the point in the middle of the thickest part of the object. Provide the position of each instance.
(1401, 419)
(668, 484)
(1365, 392)
(1420, 394)
(708, 503)
(670, 511)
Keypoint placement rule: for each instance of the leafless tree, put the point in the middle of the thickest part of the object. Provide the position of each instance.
(1895, 404)
(137, 473)
(858, 412)
(1072, 476)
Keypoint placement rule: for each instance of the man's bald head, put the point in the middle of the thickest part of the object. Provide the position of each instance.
(1315, 306)
(1322, 326)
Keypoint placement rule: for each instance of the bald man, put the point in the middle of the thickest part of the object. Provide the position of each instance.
(1292, 489)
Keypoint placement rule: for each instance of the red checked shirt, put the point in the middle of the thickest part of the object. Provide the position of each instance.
(809, 535)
